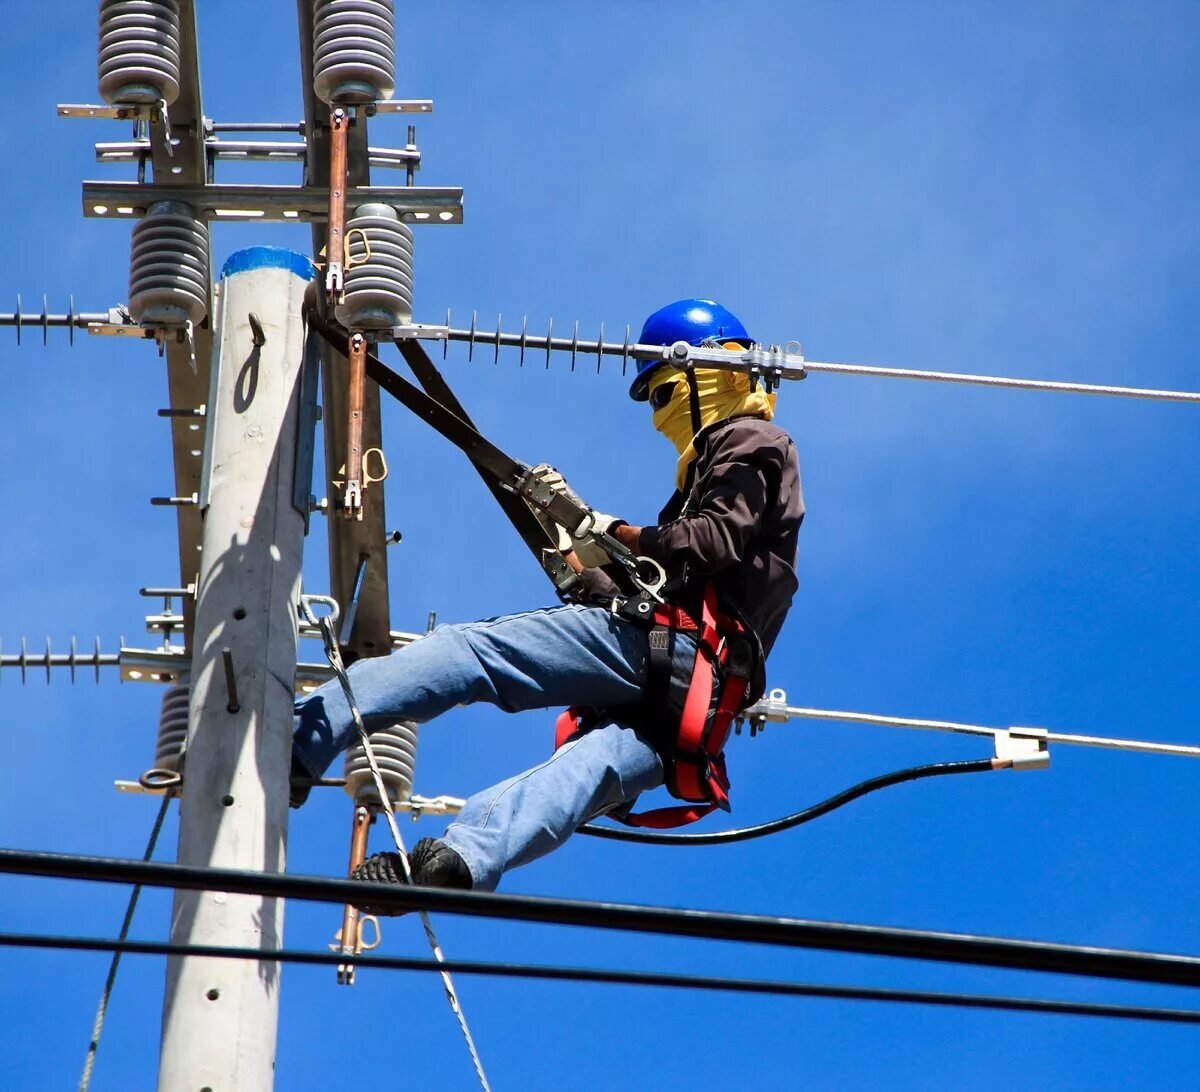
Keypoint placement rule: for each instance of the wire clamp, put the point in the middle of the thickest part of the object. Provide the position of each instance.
(771, 707)
(1022, 748)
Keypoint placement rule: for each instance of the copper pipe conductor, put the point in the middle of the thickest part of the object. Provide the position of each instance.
(339, 125)
(350, 920)
(352, 500)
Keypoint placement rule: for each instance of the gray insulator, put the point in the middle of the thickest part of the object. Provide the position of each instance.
(395, 748)
(172, 726)
(168, 267)
(379, 281)
(354, 50)
(139, 51)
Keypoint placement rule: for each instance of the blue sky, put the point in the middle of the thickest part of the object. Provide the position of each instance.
(976, 187)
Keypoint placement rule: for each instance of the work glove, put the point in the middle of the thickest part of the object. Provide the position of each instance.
(548, 475)
(590, 554)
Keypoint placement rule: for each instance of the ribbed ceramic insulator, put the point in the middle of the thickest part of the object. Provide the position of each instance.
(139, 51)
(379, 274)
(354, 50)
(168, 267)
(172, 726)
(395, 749)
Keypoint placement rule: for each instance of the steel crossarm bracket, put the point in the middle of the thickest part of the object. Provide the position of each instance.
(184, 165)
(223, 201)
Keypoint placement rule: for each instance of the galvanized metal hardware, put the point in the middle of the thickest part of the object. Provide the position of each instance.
(771, 363)
(770, 707)
(223, 201)
(1022, 748)
(116, 320)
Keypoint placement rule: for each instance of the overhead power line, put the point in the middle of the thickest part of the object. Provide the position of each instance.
(1133, 966)
(613, 977)
(775, 709)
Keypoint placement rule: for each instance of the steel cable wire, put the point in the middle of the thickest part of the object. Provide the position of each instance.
(110, 981)
(335, 661)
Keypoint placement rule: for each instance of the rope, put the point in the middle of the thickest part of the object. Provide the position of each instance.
(94, 1045)
(744, 834)
(335, 661)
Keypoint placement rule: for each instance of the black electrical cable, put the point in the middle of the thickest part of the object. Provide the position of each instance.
(611, 977)
(982, 951)
(744, 834)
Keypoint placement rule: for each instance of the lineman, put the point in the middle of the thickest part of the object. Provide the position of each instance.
(727, 538)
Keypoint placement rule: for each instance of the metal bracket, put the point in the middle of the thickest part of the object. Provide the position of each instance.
(306, 431)
(771, 707)
(1023, 748)
(400, 106)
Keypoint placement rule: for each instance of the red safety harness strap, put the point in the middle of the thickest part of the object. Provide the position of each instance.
(696, 761)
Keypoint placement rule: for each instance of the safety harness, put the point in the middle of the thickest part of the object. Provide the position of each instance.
(692, 745)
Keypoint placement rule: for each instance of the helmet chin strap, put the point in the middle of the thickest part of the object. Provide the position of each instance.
(693, 399)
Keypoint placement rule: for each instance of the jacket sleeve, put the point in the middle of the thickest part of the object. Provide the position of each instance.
(733, 498)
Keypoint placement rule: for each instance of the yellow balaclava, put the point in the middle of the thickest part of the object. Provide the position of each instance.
(722, 393)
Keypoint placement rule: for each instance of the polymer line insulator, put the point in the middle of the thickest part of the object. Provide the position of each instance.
(139, 51)
(395, 748)
(168, 267)
(354, 50)
(379, 274)
(172, 726)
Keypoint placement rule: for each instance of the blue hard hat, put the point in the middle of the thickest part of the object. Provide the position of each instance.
(693, 321)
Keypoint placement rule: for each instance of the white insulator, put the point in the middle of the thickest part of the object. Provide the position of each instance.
(395, 749)
(354, 50)
(172, 726)
(379, 274)
(168, 267)
(139, 51)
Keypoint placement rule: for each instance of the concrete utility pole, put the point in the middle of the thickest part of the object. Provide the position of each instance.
(220, 1016)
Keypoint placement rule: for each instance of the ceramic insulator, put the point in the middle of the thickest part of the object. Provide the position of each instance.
(139, 51)
(168, 267)
(395, 748)
(172, 726)
(379, 274)
(354, 50)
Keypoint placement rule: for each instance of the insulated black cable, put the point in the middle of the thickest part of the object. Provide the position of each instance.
(983, 951)
(612, 977)
(744, 834)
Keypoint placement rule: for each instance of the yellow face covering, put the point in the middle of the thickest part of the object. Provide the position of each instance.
(722, 394)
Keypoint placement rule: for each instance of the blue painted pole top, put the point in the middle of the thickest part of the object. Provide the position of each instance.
(267, 257)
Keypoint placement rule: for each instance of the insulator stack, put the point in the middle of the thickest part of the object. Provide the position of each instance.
(395, 748)
(139, 51)
(354, 50)
(379, 275)
(172, 726)
(168, 267)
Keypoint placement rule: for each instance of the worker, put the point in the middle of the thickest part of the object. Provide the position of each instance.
(730, 531)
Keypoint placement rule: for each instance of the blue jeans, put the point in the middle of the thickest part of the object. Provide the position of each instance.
(570, 655)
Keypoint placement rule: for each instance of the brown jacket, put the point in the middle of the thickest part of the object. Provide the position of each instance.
(736, 522)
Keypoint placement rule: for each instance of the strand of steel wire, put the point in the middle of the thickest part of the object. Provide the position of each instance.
(987, 951)
(117, 948)
(799, 712)
(604, 976)
(333, 653)
(788, 364)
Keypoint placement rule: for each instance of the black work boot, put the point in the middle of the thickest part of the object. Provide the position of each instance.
(298, 794)
(433, 864)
